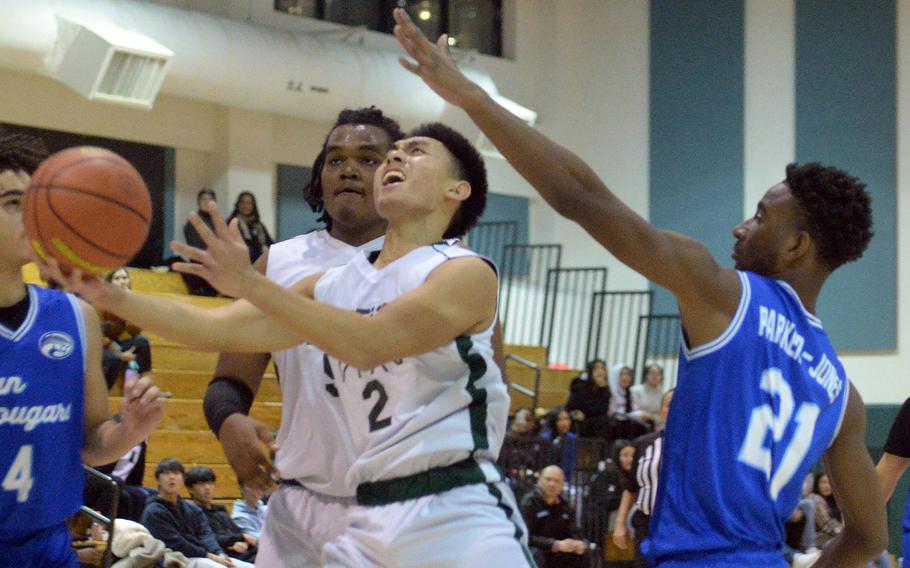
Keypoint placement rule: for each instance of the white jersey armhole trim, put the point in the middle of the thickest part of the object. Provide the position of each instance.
(732, 329)
(80, 323)
(843, 412)
(470, 253)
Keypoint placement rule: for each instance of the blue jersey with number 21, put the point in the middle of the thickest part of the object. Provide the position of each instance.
(753, 411)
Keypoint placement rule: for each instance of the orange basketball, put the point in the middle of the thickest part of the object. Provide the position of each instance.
(87, 207)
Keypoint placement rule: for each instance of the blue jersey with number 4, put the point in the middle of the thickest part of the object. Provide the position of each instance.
(753, 411)
(42, 376)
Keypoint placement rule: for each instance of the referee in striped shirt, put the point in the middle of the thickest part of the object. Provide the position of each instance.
(640, 487)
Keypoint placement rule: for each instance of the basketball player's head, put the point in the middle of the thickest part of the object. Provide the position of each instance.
(436, 172)
(20, 155)
(819, 218)
(341, 183)
(200, 482)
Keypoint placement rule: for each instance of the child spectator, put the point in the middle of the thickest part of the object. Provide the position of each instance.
(200, 482)
(249, 512)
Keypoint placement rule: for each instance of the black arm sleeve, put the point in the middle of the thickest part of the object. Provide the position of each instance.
(898, 443)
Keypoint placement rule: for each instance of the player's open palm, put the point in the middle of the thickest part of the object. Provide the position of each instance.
(247, 443)
(142, 407)
(432, 63)
(225, 262)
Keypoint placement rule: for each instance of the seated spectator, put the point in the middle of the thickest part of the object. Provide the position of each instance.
(254, 233)
(200, 482)
(197, 285)
(799, 531)
(646, 396)
(181, 524)
(564, 442)
(249, 512)
(124, 345)
(828, 520)
(625, 417)
(553, 534)
(589, 401)
(523, 453)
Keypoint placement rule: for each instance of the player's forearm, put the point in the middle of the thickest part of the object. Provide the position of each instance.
(351, 337)
(851, 549)
(108, 442)
(574, 190)
(209, 329)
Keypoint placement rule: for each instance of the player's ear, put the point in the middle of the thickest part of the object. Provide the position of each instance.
(802, 245)
(460, 191)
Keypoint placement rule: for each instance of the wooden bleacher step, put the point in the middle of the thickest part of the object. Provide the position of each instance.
(192, 384)
(187, 414)
(188, 446)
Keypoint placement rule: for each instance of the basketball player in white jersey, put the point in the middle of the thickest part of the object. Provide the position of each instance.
(409, 338)
(314, 447)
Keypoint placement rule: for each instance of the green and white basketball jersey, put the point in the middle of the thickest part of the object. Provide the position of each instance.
(315, 446)
(433, 410)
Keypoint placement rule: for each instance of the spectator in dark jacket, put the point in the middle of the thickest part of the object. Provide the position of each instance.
(554, 536)
(200, 482)
(204, 200)
(589, 400)
(181, 524)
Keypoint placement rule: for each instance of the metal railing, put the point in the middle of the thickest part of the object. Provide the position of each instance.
(657, 341)
(535, 393)
(108, 557)
(523, 290)
(490, 239)
(614, 323)
(568, 304)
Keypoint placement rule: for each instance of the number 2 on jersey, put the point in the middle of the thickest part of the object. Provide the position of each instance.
(375, 422)
(19, 476)
(754, 453)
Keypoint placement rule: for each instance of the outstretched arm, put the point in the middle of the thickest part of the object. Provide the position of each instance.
(676, 262)
(858, 493)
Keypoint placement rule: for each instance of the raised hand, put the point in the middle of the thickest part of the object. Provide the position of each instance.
(225, 263)
(433, 63)
(245, 441)
(142, 407)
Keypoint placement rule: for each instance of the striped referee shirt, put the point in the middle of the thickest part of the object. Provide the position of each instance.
(645, 467)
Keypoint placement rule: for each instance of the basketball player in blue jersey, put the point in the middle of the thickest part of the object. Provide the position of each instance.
(53, 399)
(761, 394)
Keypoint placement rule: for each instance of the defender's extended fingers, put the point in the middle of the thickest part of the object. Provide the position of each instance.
(189, 268)
(190, 252)
(217, 220)
(409, 30)
(206, 234)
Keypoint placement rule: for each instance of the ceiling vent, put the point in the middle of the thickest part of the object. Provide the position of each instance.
(105, 63)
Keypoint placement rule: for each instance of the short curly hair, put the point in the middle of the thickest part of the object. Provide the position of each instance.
(834, 208)
(21, 151)
(470, 167)
(370, 116)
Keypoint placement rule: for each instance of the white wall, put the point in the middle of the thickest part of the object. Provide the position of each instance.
(582, 64)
